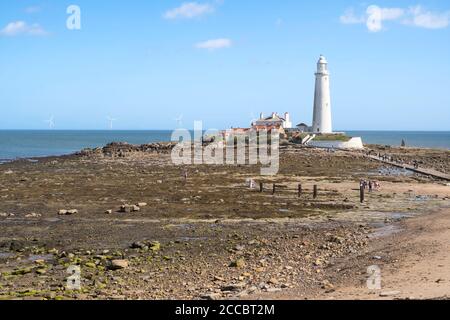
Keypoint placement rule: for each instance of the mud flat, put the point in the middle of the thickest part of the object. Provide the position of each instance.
(139, 230)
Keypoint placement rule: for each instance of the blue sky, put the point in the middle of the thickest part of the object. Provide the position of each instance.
(145, 63)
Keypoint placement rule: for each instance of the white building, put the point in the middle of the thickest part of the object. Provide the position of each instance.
(274, 120)
(322, 122)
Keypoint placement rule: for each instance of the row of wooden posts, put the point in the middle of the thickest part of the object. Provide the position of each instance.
(315, 191)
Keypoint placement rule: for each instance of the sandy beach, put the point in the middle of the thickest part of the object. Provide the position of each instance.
(139, 230)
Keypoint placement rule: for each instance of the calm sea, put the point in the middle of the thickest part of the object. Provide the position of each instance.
(27, 143)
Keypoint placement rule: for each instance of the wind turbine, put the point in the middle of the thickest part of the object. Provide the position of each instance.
(51, 122)
(111, 122)
(179, 120)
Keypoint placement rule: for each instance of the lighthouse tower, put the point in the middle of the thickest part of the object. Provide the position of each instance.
(322, 103)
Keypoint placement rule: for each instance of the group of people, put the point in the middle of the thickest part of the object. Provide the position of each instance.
(370, 185)
(390, 158)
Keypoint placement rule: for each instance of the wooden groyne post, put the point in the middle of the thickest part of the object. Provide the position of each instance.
(361, 193)
(316, 191)
(300, 190)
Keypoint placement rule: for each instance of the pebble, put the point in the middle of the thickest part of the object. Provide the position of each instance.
(33, 215)
(273, 281)
(233, 287)
(65, 212)
(119, 264)
(273, 290)
(239, 263)
(211, 296)
(126, 208)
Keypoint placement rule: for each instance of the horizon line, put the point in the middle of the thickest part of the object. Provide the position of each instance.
(190, 129)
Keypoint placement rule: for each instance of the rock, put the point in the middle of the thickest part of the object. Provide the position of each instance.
(233, 287)
(108, 212)
(273, 290)
(21, 272)
(211, 296)
(273, 281)
(138, 245)
(327, 285)
(91, 265)
(33, 215)
(239, 263)
(155, 246)
(142, 204)
(3, 215)
(389, 293)
(337, 239)
(216, 278)
(125, 208)
(41, 271)
(377, 258)
(17, 245)
(65, 212)
(118, 264)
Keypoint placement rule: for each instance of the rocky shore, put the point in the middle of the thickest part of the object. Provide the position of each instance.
(139, 228)
(121, 149)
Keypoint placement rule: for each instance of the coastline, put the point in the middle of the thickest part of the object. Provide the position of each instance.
(251, 243)
(25, 144)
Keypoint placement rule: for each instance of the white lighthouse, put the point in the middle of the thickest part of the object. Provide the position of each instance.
(322, 122)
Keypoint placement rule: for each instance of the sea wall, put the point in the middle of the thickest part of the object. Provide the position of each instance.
(353, 143)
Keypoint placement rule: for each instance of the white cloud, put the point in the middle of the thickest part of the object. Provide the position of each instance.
(349, 17)
(375, 16)
(426, 19)
(17, 28)
(189, 10)
(215, 44)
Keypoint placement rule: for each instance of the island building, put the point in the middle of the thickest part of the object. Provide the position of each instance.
(321, 133)
(275, 120)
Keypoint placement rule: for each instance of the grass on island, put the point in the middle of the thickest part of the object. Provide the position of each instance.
(332, 137)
